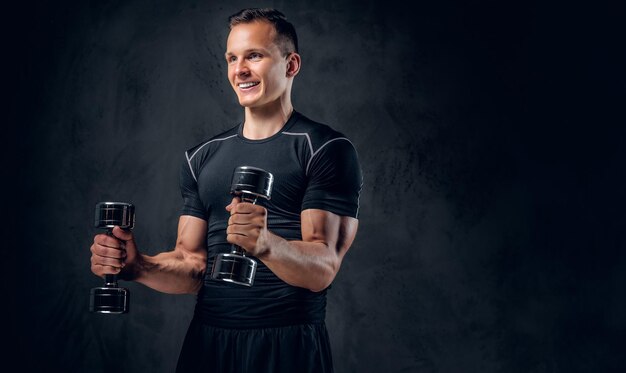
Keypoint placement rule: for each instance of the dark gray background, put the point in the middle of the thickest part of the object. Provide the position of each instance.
(492, 144)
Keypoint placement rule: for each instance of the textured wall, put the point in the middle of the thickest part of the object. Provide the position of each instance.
(493, 157)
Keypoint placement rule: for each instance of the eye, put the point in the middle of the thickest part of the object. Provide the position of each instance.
(254, 56)
(231, 59)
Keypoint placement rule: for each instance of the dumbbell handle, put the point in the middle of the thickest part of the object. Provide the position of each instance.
(110, 279)
(250, 198)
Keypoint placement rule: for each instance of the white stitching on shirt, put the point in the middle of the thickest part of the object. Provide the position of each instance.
(197, 150)
(190, 169)
(320, 148)
(208, 142)
(308, 139)
(314, 153)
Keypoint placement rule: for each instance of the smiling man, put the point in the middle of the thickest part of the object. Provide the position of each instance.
(299, 237)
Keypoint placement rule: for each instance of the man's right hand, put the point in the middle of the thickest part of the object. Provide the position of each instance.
(113, 254)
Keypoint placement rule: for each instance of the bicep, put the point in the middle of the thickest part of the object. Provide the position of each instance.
(333, 230)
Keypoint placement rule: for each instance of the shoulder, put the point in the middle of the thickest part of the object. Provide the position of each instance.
(318, 134)
(204, 146)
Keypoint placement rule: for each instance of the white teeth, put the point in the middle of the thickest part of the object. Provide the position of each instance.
(247, 85)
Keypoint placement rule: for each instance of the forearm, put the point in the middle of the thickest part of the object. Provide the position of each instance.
(310, 265)
(170, 272)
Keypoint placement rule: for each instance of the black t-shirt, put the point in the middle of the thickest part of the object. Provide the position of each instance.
(314, 167)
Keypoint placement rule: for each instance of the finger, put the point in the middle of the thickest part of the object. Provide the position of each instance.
(111, 262)
(124, 235)
(235, 201)
(243, 230)
(108, 241)
(101, 270)
(239, 219)
(236, 239)
(104, 250)
(248, 208)
(236, 230)
(108, 252)
(249, 220)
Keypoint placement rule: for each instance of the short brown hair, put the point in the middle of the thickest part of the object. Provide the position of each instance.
(286, 37)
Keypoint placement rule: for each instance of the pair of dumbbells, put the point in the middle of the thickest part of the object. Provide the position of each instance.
(248, 183)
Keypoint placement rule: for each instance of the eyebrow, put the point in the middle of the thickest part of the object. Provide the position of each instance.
(247, 51)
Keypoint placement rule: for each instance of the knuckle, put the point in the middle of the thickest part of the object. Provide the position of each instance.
(98, 238)
(111, 269)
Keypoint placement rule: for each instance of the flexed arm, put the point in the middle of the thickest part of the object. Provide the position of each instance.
(311, 263)
(178, 271)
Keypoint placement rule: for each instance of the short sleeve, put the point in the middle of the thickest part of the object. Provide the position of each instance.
(192, 205)
(335, 179)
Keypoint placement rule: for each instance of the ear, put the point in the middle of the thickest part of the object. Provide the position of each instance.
(293, 64)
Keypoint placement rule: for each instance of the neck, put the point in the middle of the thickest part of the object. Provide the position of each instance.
(263, 122)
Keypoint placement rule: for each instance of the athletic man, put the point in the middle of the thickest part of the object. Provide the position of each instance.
(298, 238)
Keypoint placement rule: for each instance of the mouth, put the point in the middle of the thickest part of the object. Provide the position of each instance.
(247, 85)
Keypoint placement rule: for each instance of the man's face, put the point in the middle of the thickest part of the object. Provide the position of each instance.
(257, 71)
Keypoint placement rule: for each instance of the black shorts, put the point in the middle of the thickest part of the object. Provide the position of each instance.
(297, 348)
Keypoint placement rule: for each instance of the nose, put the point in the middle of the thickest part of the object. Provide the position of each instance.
(241, 68)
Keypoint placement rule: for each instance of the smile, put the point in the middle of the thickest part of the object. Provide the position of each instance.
(247, 84)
